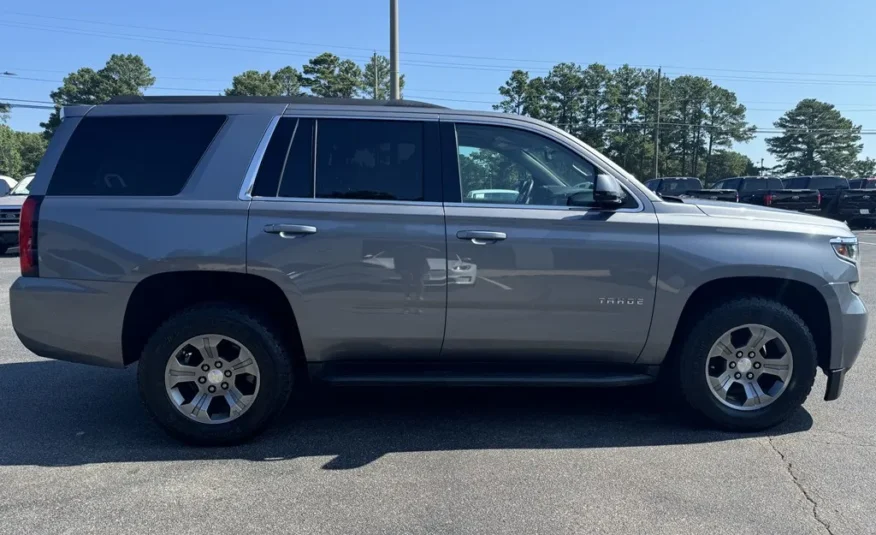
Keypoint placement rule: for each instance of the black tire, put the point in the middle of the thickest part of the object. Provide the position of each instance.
(689, 370)
(275, 369)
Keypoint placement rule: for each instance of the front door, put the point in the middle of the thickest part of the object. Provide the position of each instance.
(353, 232)
(531, 278)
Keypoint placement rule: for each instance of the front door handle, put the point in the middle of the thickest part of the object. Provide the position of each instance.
(481, 237)
(290, 231)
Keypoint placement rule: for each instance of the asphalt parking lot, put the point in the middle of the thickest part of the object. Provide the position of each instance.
(78, 455)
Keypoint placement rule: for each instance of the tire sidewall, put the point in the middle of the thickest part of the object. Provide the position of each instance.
(696, 389)
(159, 349)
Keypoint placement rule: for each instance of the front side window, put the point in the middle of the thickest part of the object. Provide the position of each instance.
(364, 159)
(510, 166)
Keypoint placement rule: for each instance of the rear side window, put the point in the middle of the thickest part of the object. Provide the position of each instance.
(287, 169)
(133, 156)
(363, 159)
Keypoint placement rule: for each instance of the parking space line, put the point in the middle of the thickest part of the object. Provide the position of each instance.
(499, 284)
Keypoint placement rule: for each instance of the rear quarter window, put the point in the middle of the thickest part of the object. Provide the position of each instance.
(133, 156)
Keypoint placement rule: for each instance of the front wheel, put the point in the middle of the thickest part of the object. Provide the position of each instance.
(214, 374)
(747, 364)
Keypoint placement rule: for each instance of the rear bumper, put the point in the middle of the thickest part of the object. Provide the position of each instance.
(76, 321)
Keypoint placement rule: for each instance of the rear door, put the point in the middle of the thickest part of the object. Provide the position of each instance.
(535, 279)
(346, 218)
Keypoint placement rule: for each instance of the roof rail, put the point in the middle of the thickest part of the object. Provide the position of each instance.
(218, 99)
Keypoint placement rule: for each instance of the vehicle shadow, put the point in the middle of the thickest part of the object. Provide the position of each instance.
(61, 414)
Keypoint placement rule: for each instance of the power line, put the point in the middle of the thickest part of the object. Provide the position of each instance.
(415, 53)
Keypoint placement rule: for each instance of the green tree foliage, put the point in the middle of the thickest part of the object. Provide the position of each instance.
(514, 93)
(816, 139)
(726, 163)
(289, 80)
(486, 169)
(123, 74)
(31, 146)
(254, 84)
(376, 79)
(20, 152)
(284, 82)
(10, 155)
(327, 75)
(615, 111)
(864, 168)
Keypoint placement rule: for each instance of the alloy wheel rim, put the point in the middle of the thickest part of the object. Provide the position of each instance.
(749, 367)
(212, 379)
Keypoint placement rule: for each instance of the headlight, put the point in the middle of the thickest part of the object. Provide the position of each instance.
(846, 248)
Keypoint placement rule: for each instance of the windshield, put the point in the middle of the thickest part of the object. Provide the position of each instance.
(21, 187)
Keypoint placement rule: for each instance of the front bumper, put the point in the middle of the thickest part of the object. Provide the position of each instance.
(849, 318)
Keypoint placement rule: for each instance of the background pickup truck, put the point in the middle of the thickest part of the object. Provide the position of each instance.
(769, 191)
(689, 187)
(838, 200)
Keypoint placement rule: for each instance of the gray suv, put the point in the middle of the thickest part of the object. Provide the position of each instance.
(235, 248)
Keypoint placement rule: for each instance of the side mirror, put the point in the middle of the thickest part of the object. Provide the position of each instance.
(607, 193)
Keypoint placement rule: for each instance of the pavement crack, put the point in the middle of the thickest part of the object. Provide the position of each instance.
(789, 468)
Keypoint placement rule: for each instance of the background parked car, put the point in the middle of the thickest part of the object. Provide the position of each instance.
(838, 200)
(863, 183)
(689, 187)
(6, 184)
(770, 191)
(10, 212)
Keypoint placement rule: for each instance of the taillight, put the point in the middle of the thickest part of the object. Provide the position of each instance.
(27, 236)
(819, 198)
(768, 199)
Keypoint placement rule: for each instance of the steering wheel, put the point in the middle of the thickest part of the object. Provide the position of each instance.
(525, 192)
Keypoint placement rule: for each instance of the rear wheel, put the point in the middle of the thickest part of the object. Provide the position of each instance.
(214, 375)
(747, 364)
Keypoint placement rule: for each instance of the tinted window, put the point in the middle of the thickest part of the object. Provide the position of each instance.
(506, 165)
(148, 155)
(799, 182)
(652, 184)
(730, 183)
(756, 184)
(681, 185)
(287, 165)
(776, 183)
(369, 160)
(268, 177)
(828, 182)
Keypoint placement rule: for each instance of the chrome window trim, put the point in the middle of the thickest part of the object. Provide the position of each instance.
(245, 193)
(543, 132)
(347, 201)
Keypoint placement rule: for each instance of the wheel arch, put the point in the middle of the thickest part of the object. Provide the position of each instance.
(800, 294)
(158, 296)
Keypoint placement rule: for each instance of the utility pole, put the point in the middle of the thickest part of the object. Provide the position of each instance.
(376, 77)
(762, 169)
(393, 50)
(657, 126)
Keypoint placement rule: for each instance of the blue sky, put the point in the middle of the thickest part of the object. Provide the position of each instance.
(772, 53)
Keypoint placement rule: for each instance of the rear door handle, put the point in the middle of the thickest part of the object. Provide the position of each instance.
(481, 237)
(290, 231)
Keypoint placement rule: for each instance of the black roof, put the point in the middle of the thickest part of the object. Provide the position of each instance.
(218, 99)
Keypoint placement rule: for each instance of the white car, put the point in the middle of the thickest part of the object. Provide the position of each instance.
(10, 211)
(493, 195)
(6, 184)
